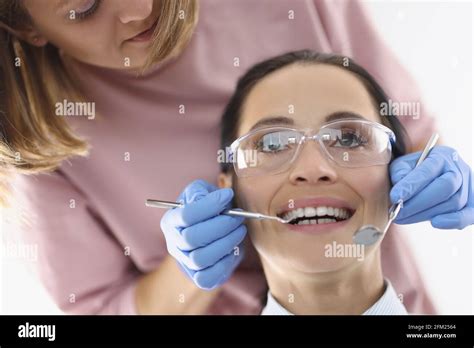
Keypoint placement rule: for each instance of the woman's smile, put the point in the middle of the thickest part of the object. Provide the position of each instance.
(316, 214)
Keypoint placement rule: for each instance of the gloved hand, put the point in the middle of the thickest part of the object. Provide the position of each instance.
(201, 240)
(440, 189)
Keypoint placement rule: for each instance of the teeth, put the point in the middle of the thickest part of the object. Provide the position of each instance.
(321, 211)
(310, 212)
(316, 222)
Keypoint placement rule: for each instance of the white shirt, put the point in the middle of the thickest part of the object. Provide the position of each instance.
(387, 304)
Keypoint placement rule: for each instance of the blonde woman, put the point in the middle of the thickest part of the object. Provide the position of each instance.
(119, 100)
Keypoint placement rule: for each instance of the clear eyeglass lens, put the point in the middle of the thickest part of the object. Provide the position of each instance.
(266, 151)
(356, 144)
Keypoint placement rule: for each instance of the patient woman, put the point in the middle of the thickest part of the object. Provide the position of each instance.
(309, 144)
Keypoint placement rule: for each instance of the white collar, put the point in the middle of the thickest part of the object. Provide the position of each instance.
(387, 304)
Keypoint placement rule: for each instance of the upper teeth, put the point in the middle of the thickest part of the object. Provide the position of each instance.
(340, 213)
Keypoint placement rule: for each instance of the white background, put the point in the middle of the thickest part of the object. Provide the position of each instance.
(434, 42)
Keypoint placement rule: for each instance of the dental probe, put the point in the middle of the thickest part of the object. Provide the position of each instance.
(232, 212)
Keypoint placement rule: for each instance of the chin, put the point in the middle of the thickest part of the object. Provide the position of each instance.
(317, 262)
(309, 256)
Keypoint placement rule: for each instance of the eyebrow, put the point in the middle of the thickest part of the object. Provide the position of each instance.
(283, 120)
(273, 120)
(341, 115)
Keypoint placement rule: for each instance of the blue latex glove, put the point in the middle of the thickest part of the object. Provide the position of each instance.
(201, 240)
(440, 189)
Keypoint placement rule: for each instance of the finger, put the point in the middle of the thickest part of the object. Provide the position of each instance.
(456, 220)
(418, 178)
(437, 194)
(196, 190)
(204, 257)
(462, 218)
(453, 204)
(205, 208)
(467, 183)
(217, 274)
(403, 165)
(425, 205)
(206, 232)
(186, 270)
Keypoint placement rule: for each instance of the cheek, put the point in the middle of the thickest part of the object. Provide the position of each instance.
(86, 50)
(82, 41)
(372, 185)
(255, 194)
(85, 45)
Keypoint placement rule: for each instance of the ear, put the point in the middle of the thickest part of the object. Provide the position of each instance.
(29, 34)
(34, 38)
(224, 180)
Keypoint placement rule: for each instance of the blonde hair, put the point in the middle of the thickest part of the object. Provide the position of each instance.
(32, 79)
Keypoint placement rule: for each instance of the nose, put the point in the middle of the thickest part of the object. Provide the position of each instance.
(312, 166)
(135, 10)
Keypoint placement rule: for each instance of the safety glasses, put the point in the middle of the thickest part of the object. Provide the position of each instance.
(351, 143)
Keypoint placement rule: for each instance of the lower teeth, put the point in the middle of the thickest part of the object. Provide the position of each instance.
(316, 222)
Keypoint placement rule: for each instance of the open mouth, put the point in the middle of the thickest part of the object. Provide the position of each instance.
(317, 215)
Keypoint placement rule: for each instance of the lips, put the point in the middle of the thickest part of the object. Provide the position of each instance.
(314, 202)
(144, 35)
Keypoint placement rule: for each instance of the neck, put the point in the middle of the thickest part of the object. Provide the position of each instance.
(351, 290)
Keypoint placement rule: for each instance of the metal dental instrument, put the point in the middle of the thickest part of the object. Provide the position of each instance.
(369, 234)
(232, 212)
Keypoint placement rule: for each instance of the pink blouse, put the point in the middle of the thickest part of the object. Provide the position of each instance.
(94, 234)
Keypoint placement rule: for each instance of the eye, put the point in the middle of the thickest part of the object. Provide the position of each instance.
(350, 140)
(275, 142)
(262, 146)
(86, 9)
